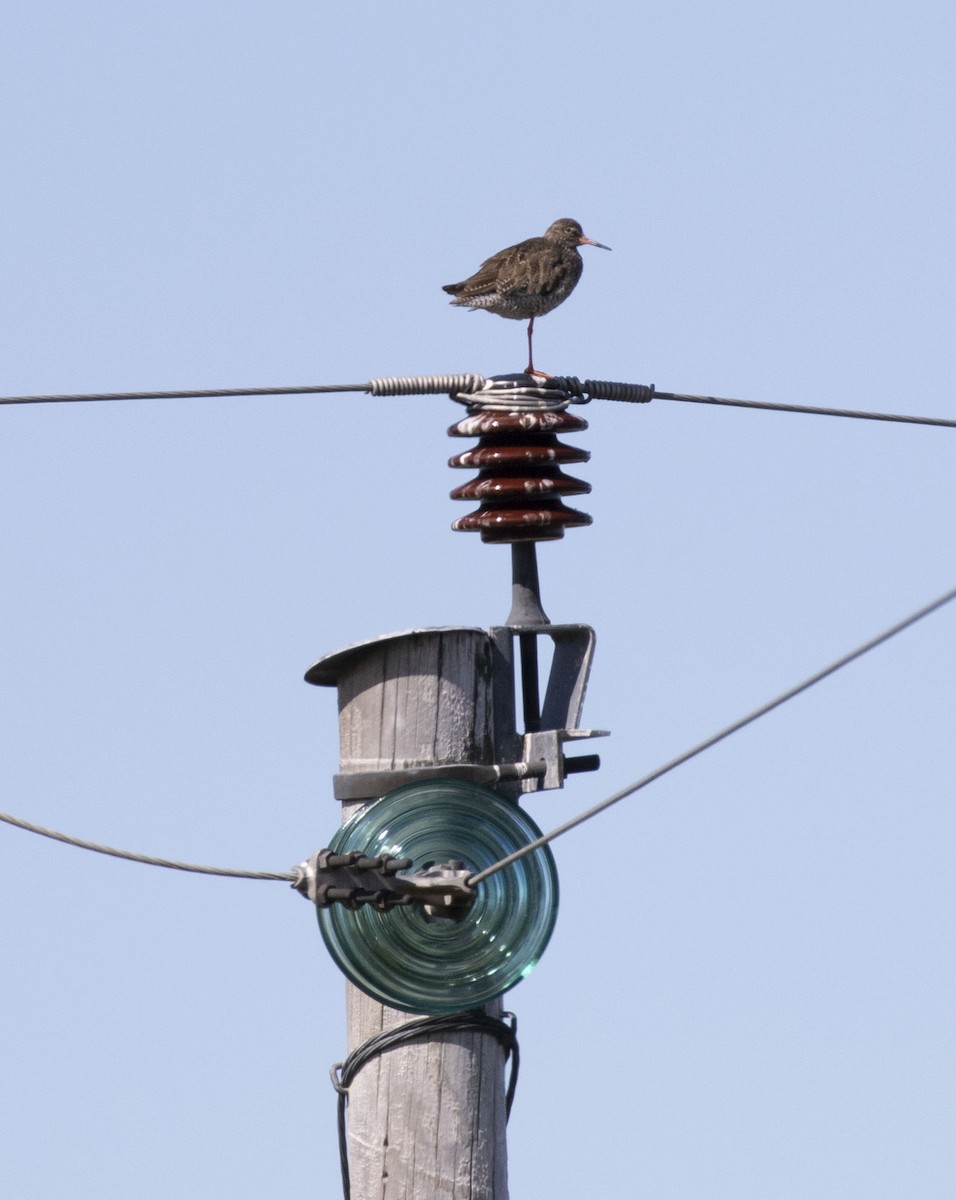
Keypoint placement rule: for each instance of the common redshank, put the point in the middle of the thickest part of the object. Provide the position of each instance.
(528, 280)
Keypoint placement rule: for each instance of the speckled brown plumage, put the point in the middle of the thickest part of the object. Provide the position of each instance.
(529, 279)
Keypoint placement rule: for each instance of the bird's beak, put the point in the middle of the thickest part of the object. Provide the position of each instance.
(585, 241)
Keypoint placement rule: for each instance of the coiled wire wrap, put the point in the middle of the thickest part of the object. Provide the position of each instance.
(604, 389)
(516, 393)
(425, 385)
(505, 1029)
(512, 391)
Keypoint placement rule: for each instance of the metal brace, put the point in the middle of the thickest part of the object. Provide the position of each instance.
(544, 762)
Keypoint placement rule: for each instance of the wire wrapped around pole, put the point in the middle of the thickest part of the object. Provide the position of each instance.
(505, 1029)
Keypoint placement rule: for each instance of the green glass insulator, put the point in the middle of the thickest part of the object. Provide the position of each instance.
(411, 960)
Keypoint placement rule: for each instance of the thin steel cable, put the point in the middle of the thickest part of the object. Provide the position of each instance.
(717, 737)
(808, 408)
(505, 1029)
(436, 384)
(197, 395)
(286, 877)
(393, 386)
(639, 393)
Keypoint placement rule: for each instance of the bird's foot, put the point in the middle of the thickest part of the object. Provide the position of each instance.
(530, 370)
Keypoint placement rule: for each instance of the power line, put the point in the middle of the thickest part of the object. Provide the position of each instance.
(807, 408)
(717, 737)
(192, 395)
(391, 386)
(286, 877)
(437, 384)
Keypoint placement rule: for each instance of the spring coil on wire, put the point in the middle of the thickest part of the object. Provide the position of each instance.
(604, 389)
(425, 385)
(520, 485)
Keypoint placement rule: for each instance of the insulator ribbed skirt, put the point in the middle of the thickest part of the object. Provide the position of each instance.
(520, 484)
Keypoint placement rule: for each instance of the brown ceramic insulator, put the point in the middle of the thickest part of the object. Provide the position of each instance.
(517, 487)
(533, 453)
(523, 524)
(489, 421)
(520, 483)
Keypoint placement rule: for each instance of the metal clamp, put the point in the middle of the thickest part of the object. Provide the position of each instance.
(546, 761)
(356, 880)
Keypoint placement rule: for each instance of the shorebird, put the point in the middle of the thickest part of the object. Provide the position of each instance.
(527, 280)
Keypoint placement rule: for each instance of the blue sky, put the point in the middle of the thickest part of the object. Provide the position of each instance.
(212, 195)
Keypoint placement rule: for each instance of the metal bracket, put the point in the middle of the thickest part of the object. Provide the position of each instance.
(543, 748)
(546, 761)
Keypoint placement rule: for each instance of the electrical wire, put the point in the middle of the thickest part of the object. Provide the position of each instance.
(436, 384)
(194, 395)
(286, 877)
(807, 408)
(391, 386)
(846, 659)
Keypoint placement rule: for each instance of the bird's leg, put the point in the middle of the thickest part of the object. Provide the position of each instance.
(529, 370)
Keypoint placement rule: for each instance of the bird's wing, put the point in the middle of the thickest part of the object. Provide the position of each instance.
(537, 269)
(485, 279)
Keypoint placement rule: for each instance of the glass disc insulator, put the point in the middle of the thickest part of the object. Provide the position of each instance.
(411, 960)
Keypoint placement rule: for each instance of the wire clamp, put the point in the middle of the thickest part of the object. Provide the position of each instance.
(356, 880)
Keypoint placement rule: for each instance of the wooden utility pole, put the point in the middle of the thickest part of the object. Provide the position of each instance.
(427, 1118)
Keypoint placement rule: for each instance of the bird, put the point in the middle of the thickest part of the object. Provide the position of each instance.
(529, 279)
